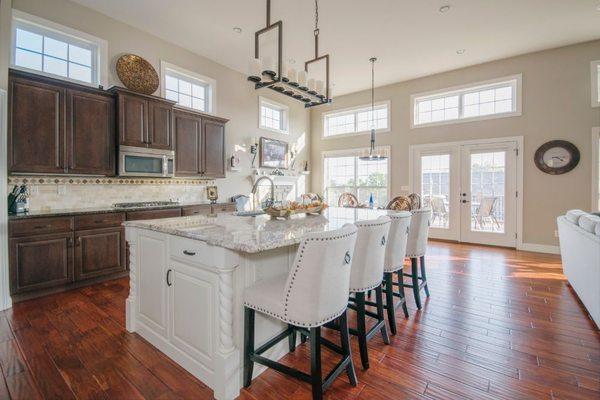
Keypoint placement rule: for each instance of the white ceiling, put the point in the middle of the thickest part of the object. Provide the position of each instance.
(411, 38)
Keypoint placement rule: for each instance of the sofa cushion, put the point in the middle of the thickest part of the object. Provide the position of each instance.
(588, 222)
(573, 215)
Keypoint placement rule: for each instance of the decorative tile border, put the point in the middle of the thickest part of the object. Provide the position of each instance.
(78, 180)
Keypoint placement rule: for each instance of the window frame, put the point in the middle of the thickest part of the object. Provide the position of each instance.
(596, 168)
(516, 82)
(356, 152)
(41, 26)
(274, 104)
(595, 76)
(355, 110)
(193, 77)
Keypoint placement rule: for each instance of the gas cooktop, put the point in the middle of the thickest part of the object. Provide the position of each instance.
(141, 204)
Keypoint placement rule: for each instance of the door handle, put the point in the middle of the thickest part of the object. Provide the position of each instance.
(463, 194)
(169, 283)
(465, 201)
(189, 253)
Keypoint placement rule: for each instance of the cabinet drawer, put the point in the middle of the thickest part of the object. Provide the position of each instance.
(204, 209)
(153, 214)
(92, 221)
(217, 208)
(39, 226)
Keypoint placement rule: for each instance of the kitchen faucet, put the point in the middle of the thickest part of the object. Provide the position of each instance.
(255, 189)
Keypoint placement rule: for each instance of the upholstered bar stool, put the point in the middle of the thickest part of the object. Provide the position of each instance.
(395, 253)
(367, 274)
(415, 250)
(314, 292)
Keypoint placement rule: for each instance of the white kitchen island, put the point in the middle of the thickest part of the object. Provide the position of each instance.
(187, 278)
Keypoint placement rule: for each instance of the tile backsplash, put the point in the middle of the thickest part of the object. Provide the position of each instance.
(85, 192)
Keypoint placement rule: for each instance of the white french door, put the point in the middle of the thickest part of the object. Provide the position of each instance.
(471, 189)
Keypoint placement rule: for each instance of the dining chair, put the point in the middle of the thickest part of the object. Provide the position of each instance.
(348, 200)
(416, 248)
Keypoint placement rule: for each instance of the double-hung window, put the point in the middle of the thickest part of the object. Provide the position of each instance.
(273, 116)
(44, 47)
(188, 89)
(344, 171)
(595, 83)
(357, 120)
(483, 100)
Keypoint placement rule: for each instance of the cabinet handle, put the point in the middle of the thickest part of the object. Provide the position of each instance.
(189, 253)
(70, 242)
(78, 241)
(42, 226)
(169, 283)
(98, 221)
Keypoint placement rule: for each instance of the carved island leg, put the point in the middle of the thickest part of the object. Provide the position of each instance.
(130, 303)
(227, 373)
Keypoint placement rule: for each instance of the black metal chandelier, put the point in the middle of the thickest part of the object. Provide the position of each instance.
(294, 84)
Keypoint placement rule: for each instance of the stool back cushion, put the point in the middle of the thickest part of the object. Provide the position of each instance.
(418, 233)
(395, 250)
(369, 254)
(317, 286)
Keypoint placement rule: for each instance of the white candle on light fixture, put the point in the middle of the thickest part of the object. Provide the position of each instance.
(291, 75)
(302, 78)
(255, 67)
(331, 92)
(320, 86)
(267, 64)
(311, 84)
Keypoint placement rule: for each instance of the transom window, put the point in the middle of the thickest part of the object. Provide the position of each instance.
(273, 116)
(357, 120)
(345, 172)
(45, 49)
(187, 88)
(493, 99)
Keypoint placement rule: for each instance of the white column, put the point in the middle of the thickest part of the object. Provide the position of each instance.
(130, 303)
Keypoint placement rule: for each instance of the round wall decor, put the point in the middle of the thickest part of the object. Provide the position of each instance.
(137, 74)
(557, 157)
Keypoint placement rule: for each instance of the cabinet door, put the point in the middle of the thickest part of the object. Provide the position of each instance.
(90, 133)
(133, 120)
(36, 127)
(188, 142)
(38, 262)
(160, 125)
(214, 149)
(192, 292)
(99, 252)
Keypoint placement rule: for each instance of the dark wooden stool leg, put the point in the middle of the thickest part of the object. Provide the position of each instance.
(401, 292)
(345, 336)
(248, 344)
(302, 338)
(380, 317)
(424, 275)
(361, 326)
(315, 363)
(292, 338)
(415, 281)
(389, 301)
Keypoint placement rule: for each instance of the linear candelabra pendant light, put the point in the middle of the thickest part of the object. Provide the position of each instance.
(373, 154)
(292, 83)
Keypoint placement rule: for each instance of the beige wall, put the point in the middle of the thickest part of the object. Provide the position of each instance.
(556, 105)
(236, 98)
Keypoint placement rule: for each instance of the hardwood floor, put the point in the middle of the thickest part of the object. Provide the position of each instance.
(500, 324)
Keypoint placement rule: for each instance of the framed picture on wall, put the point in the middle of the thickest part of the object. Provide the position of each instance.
(273, 153)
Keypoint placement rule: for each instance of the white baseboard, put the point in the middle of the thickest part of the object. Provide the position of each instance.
(540, 248)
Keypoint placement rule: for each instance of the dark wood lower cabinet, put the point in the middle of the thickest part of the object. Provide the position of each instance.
(42, 261)
(99, 252)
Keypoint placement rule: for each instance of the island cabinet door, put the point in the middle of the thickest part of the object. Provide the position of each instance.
(152, 281)
(192, 294)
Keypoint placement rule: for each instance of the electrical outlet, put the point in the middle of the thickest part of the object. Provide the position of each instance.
(61, 189)
(34, 190)
(556, 233)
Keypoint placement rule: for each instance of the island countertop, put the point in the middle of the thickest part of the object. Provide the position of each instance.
(259, 233)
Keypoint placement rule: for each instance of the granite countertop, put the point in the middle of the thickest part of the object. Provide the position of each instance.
(54, 212)
(256, 234)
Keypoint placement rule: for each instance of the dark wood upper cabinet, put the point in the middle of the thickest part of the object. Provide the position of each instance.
(36, 127)
(90, 133)
(38, 262)
(133, 120)
(99, 252)
(160, 125)
(214, 148)
(188, 144)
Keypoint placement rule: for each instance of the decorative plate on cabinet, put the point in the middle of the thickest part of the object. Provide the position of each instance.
(137, 74)
(556, 157)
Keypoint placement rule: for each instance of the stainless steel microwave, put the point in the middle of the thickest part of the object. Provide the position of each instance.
(140, 161)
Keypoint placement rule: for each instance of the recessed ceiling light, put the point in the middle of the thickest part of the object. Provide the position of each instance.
(237, 29)
(444, 9)
(460, 51)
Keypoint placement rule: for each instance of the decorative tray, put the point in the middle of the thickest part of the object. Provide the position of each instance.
(288, 212)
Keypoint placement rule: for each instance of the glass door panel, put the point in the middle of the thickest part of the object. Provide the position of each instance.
(435, 188)
(487, 191)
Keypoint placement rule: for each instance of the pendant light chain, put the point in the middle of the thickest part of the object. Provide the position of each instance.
(316, 17)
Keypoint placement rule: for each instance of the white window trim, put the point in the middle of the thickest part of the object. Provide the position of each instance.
(356, 152)
(594, 65)
(595, 168)
(100, 63)
(334, 113)
(286, 115)
(211, 84)
(476, 86)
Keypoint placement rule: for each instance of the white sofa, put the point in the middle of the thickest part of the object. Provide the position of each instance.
(579, 234)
